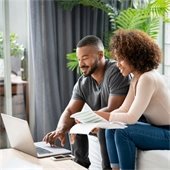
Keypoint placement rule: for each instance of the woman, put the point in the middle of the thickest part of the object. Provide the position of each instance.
(148, 96)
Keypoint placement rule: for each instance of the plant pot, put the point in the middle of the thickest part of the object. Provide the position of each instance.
(15, 65)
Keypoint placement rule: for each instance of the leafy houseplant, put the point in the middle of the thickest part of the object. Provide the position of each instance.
(16, 52)
(16, 49)
(143, 16)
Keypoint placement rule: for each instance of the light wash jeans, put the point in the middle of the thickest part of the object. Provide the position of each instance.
(122, 143)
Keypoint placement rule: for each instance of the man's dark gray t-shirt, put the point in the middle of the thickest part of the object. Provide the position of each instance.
(97, 95)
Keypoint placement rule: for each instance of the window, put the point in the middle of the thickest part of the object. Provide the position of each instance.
(13, 90)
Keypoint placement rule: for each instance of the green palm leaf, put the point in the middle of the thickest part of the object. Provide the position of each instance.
(151, 26)
(159, 7)
(131, 19)
(72, 63)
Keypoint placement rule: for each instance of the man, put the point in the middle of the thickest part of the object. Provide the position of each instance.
(101, 86)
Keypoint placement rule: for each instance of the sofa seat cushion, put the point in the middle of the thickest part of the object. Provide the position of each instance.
(153, 160)
(145, 160)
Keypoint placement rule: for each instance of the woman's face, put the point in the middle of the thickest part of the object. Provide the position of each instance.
(124, 66)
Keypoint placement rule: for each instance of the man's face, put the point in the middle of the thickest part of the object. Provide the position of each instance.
(88, 58)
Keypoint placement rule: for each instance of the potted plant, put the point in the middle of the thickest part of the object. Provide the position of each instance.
(143, 15)
(16, 52)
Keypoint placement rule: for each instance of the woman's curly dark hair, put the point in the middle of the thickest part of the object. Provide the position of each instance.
(136, 47)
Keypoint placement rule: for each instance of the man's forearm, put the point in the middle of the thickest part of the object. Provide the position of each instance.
(65, 122)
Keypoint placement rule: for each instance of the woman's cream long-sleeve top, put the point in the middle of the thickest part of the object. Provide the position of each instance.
(149, 96)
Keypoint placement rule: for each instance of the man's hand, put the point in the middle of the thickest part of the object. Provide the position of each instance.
(95, 131)
(52, 136)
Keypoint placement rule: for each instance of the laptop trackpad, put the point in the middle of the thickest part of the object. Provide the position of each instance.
(42, 151)
(47, 149)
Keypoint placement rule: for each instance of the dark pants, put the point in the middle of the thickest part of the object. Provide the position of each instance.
(80, 149)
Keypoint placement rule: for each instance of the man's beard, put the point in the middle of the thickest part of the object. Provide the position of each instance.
(92, 70)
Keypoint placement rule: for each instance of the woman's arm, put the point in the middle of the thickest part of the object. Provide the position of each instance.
(144, 91)
(123, 108)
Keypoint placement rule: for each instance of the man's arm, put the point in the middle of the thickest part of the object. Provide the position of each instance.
(114, 102)
(64, 124)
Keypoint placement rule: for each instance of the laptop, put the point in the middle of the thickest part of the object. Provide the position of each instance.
(20, 138)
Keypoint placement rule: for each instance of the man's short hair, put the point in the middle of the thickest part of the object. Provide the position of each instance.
(91, 40)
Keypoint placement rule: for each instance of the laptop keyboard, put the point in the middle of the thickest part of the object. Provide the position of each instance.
(41, 150)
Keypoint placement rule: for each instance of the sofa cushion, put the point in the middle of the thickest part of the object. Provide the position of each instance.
(145, 160)
(153, 160)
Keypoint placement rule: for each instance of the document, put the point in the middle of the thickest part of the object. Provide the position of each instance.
(90, 120)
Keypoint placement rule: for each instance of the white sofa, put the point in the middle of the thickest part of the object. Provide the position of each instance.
(146, 160)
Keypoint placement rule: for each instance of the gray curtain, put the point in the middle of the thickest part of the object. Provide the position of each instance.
(54, 32)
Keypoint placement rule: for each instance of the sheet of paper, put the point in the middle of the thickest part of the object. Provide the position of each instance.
(86, 128)
(81, 128)
(87, 116)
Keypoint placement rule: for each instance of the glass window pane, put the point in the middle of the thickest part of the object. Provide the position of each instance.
(16, 63)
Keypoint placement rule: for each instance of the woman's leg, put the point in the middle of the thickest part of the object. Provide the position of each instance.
(111, 148)
(144, 137)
